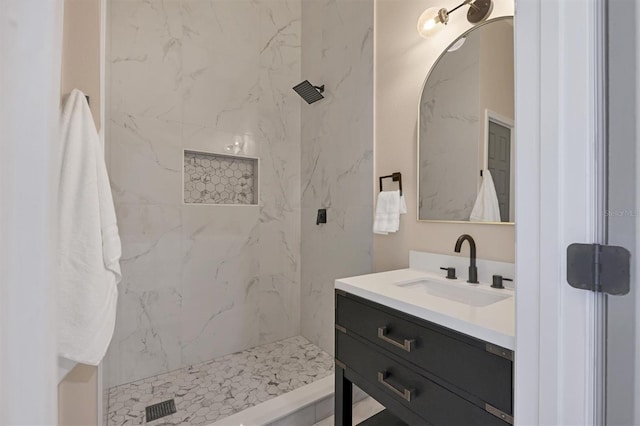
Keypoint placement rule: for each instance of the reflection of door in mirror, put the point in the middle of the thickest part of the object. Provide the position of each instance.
(470, 81)
(498, 159)
(499, 164)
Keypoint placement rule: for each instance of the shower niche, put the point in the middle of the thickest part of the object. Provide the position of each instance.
(221, 179)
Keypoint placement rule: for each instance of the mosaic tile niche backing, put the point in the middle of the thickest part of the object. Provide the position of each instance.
(219, 179)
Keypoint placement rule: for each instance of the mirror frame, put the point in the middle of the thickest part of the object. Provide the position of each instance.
(445, 51)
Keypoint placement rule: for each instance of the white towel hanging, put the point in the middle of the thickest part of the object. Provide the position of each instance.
(88, 241)
(389, 207)
(486, 207)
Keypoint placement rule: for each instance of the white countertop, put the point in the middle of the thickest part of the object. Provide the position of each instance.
(494, 323)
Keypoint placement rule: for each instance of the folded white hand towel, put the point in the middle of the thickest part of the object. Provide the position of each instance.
(388, 209)
(88, 241)
(486, 207)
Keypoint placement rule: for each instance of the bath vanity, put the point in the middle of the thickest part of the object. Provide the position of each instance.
(431, 350)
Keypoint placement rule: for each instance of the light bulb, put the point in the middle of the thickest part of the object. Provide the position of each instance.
(428, 25)
(429, 20)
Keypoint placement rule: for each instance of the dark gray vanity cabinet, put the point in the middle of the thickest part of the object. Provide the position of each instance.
(421, 372)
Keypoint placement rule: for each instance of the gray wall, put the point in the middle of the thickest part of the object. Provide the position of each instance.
(622, 328)
(337, 155)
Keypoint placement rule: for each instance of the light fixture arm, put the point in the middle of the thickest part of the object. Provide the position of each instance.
(462, 4)
(443, 14)
(478, 11)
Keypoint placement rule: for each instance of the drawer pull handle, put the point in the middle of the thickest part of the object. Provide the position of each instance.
(405, 393)
(407, 345)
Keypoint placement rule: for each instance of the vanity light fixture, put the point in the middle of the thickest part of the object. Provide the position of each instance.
(428, 22)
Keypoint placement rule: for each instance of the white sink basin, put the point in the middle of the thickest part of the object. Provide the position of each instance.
(468, 295)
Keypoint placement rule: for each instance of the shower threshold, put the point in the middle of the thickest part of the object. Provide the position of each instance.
(211, 391)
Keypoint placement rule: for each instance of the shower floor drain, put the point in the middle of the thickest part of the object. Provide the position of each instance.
(159, 410)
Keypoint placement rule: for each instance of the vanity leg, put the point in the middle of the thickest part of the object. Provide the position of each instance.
(343, 398)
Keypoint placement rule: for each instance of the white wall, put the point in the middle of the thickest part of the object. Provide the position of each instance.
(337, 156)
(30, 48)
(402, 61)
(202, 281)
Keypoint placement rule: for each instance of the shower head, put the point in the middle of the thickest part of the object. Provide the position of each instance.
(309, 92)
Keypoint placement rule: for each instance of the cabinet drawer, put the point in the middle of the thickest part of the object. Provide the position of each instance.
(388, 377)
(459, 360)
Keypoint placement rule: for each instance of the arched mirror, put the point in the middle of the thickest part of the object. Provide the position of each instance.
(466, 128)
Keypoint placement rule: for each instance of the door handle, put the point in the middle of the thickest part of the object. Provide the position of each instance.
(407, 345)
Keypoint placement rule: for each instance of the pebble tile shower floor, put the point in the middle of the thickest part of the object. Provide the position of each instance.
(212, 390)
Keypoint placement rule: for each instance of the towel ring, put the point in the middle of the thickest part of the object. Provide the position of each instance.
(396, 177)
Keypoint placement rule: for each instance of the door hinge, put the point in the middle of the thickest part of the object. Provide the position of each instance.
(599, 268)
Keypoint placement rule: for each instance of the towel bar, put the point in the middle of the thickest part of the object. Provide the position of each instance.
(396, 177)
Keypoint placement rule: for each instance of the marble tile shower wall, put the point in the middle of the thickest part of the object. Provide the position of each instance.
(202, 281)
(337, 156)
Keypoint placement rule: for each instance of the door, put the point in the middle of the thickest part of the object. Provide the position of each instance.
(558, 174)
(622, 383)
(499, 164)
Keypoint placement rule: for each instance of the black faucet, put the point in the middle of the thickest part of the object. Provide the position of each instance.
(473, 271)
